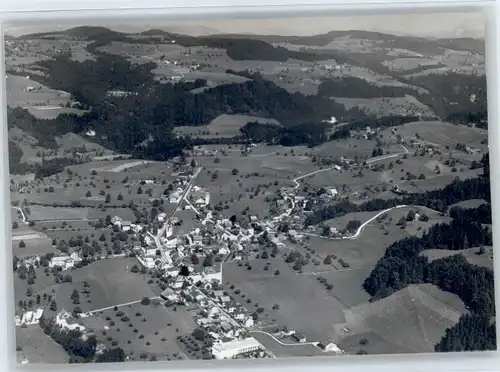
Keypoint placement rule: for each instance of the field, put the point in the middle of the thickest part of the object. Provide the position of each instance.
(37, 347)
(348, 148)
(143, 329)
(270, 172)
(386, 106)
(415, 317)
(41, 101)
(472, 203)
(361, 252)
(35, 242)
(445, 134)
(223, 126)
(40, 213)
(471, 254)
(110, 283)
(280, 350)
(295, 294)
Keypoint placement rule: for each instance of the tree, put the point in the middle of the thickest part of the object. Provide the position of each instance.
(199, 334)
(108, 199)
(75, 297)
(353, 225)
(139, 190)
(411, 215)
(402, 222)
(208, 261)
(423, 217)
(53, 305)
(194, 259)
(328, 260)
(88, 194)
(22, 244)
(184, 271)
(234, 172)
(119, 197)
(135, 269)
(15, 225)
(111, 356)
(145, 301)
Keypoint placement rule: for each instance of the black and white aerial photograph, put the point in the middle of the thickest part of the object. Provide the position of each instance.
(250, 188)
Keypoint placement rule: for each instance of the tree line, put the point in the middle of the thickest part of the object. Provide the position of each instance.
(80, 350)
(440, 200)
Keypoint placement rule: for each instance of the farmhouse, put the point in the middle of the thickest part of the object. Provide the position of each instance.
(231, 349)
(200, 197)
(31, 317)
(175, 196)
(329, 347)
(62, 321)
(126, 225)
(299, 337)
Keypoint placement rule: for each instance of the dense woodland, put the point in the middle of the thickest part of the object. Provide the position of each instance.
(473, 332)
(124, 123)
(403, 264)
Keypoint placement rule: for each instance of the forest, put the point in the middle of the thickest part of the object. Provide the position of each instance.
(402, 265)
(310, 134)
(124, 122)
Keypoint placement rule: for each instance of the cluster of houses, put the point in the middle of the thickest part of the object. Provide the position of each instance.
(222, 318)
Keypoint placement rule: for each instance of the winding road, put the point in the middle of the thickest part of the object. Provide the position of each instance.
(285, 343)
(370, 161)
(360, 228)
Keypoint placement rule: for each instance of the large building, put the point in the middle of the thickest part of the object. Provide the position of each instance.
(231, 349)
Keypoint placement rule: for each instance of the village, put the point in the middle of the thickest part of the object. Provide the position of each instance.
(225, 320)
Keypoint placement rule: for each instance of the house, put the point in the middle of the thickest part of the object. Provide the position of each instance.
(62, 321)
(175, 196)
(126, 225)
(218, 293)
(329, 347)
(224, 250)
(65, 262)
(299, 337)
(161, 217)
(149, 262)
(116, 219)
(225, 299)
(169, 294)
(332, 192)
(32, 317)
(231, 349)
(253, 219)
(171, 243)
(226, 223)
